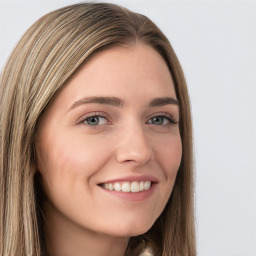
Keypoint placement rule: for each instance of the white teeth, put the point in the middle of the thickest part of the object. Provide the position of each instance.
(141, 186)
(110, 186)
(147, 185)
(126, 187)
(117, 186)
(135, 187)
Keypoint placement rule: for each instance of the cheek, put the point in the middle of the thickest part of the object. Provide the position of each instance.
(169, 155)
(66, 166)
(67, 161)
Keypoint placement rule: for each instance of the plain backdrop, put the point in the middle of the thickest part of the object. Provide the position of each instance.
(216, 44)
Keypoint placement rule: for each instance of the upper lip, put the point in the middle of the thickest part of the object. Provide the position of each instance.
(132, 178)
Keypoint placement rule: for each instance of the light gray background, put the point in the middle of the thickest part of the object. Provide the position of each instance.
(216, 44)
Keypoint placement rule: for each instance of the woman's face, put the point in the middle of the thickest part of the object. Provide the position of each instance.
(109, 145)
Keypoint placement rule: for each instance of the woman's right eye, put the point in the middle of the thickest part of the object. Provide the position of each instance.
(95, 120)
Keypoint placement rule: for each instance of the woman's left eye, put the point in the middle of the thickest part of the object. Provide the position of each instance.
(161, 120)
(95, 120)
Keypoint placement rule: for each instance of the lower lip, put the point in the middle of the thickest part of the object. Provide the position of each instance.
(132, 196)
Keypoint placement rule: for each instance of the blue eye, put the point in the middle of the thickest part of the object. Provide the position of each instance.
(161, 120)
(95, 120)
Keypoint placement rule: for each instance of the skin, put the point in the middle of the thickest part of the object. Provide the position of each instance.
(74, 156)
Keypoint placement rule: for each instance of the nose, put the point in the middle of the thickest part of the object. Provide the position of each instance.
(133, 146)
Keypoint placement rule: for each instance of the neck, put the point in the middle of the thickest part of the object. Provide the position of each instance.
(66, 238)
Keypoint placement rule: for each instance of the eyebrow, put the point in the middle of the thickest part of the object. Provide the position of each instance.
(113, 101)
(163, 101)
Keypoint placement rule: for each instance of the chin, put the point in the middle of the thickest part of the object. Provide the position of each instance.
(133, 229)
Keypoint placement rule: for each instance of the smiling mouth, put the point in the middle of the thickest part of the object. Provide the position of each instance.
(126, 187)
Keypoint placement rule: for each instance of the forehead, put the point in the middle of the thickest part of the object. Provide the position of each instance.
(127, 72)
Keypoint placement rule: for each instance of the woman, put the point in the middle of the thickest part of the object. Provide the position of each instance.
(96, 139)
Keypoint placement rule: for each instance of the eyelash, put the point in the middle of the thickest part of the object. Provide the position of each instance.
(166, 116)
(95, 115)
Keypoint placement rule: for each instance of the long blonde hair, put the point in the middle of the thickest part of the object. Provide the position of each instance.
(40, 65)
